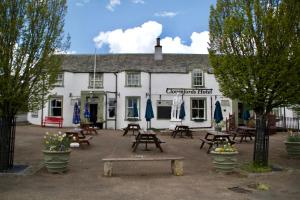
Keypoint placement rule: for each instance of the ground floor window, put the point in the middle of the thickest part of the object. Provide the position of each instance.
(55, 108)
(132, 108)
(198, 109)
(35, 114)
(164, 108)
(111, 107)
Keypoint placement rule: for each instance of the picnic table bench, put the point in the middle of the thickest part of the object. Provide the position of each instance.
(176, 163)
(182, 129)
(131, 127)
(215, 137)
(146, 137)
(53, 120)
(78, 136)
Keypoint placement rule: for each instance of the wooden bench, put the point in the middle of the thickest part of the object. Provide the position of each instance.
(79, 137)
(176, 163)
(205, 141)
(53, 120)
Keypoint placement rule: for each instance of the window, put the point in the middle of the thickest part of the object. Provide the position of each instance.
(198, 107)
(133, 79)
(59, 80)
(55, 106)
(111, 107)
(132, 103)
(164, 108)
(197, 78)
(35, 114)
(98, 80)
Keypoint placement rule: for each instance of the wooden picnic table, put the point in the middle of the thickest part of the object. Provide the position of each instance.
(182, 129)
(244, 132)
(77, 135)
(215, 137)
(131, 127)
(146, 137)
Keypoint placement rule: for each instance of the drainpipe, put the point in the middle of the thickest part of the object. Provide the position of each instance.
(150, 93)
(105, 110)
(116, 97)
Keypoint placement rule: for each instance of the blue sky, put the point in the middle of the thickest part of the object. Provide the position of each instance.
(131, 26)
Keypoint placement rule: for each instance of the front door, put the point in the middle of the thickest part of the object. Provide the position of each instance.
(93, 113)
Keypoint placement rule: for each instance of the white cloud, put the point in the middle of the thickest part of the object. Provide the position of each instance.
(112, 4)
(82, 2)
(138, 1)
(166, 14)
(142, 39)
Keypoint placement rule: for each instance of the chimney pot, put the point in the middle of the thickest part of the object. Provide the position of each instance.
(158, 50)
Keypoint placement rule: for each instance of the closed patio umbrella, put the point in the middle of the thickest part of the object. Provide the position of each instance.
(246, 115)
(182, 111)
(76, 114)
(218, 116)
(149, 112)
(86, 111)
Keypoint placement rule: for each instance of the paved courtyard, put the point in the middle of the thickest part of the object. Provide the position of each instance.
(144, 180)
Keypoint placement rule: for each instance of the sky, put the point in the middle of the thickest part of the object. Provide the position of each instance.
(132, 26)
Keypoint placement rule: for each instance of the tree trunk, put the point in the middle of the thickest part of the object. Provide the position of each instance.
(7, 142)
(261, 144)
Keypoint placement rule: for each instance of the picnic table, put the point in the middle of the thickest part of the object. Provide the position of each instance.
(182, 129)
(77, 135)
(244, 132)
(131, 127)
(215, 137)
(146, 137)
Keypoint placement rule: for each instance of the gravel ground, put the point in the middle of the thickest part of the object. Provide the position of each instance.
(144, 180)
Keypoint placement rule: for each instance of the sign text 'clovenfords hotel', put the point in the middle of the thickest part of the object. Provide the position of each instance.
(188, 91)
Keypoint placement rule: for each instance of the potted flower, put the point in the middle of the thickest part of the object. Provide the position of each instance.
(292, 144)
(56, 152)
(224, 158)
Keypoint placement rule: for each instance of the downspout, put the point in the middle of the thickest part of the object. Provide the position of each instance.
(116, 99)
(105, 110)
(150, 93)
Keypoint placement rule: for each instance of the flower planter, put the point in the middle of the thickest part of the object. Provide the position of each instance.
(224, 161)
(56, 161)
(293, 149)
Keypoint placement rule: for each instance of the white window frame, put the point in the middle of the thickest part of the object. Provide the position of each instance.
(199, 109)
(56, 106)
(133, 79)
(197, 77)
(109, 106)
(59, 80)
(98, 80)
(131, 107)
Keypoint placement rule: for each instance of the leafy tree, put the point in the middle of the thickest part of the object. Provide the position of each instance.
(30, 34)
(255, 53)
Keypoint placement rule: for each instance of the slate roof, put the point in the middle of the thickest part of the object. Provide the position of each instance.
(171, 63)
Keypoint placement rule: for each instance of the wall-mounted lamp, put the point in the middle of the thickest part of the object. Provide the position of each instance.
(160, 97)
(70, 94)
(147, 94)
(118, 94)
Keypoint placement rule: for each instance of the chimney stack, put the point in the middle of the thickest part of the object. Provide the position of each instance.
(158, 50)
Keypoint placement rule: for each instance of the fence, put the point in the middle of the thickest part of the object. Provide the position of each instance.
(288, 123)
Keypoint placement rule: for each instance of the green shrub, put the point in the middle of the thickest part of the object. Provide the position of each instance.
(254, 168)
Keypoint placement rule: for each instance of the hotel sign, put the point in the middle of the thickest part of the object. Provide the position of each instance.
(188, 91)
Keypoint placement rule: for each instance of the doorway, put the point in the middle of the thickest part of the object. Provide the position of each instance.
(93, 113)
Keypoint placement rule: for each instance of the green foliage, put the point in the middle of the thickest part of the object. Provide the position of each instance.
(254, 168)
(226, 148)
(293, 137)
(255, 51)
(30, 34)
(56, 142)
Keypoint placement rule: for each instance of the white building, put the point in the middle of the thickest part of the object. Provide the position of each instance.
(122, 80)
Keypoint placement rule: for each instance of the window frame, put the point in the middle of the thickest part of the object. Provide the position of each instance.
(138, 105)
(194, 77)
(127, 79)
(50, 112)
(91, 80)
(58, 80)
(205, 109)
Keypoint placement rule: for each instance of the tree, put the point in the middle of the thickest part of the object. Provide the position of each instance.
(30, 34)
(255, 54)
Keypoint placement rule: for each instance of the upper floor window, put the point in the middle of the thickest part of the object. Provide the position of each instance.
(198, 109)
(197, 78)
(59, 80)
(133, 79)
(98, 80)
(55, 106)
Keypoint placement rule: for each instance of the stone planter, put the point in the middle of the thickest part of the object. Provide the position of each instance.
(293, 149)
(56, 161)
(224, 161)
